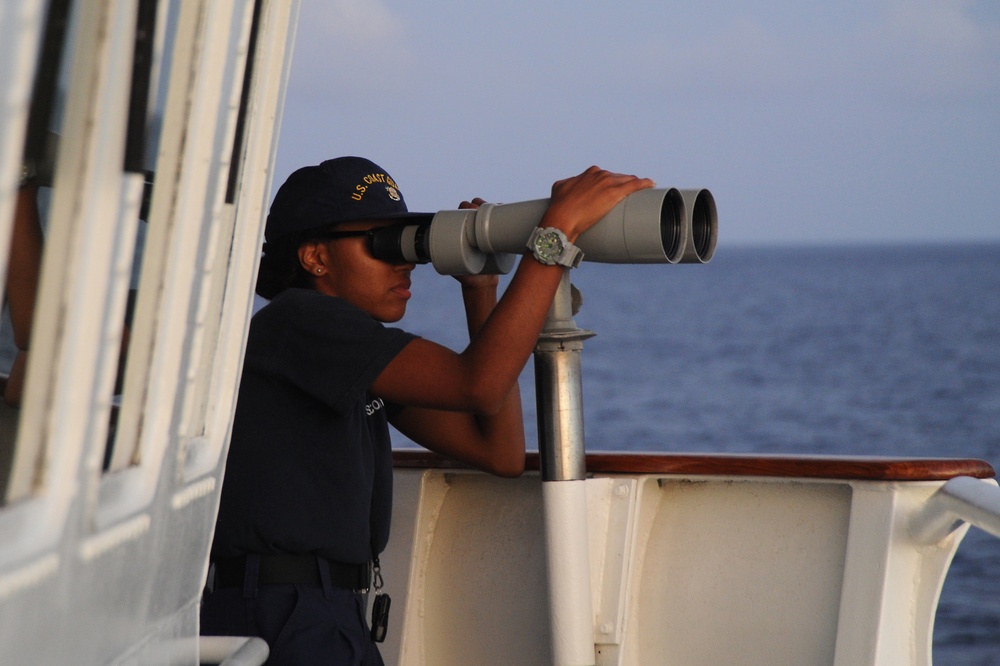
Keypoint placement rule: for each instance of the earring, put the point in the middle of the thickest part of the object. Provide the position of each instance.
(319, 271)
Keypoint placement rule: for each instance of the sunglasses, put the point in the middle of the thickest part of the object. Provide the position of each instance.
(394, 244)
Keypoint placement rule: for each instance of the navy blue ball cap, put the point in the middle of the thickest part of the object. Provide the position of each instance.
(344, 189)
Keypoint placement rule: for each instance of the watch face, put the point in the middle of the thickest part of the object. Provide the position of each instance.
(549, 245)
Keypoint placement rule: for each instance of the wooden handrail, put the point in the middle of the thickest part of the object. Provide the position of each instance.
(748, 464)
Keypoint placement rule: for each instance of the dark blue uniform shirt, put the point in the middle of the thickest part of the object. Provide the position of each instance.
(309, 467)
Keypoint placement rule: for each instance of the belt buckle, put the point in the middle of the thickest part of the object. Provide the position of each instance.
(368, 578)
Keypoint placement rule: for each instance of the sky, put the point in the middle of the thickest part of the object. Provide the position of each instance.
(853, 121)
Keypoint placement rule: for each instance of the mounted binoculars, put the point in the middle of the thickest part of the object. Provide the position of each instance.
(654, 226)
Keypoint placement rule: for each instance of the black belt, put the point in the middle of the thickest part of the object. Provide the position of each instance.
(292, 569)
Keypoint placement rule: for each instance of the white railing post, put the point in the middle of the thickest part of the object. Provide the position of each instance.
(962, 499)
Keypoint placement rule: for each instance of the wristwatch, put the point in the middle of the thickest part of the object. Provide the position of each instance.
(551, 247)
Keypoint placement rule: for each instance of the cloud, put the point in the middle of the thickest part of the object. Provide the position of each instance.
(742, 51)
(360, 43)
(902, 48)
(929, 48)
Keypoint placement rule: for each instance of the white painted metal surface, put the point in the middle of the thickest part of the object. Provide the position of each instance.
(961, 499)
(105, 563)
(685, 570)
(568, 572)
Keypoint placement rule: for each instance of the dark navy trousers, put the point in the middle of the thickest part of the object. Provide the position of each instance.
(304, 625)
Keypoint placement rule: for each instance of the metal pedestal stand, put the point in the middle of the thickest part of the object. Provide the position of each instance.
(558, 394)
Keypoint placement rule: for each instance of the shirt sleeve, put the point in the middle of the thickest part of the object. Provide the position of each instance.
(323, 346)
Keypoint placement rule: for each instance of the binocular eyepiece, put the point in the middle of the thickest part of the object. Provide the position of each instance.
(667, 226)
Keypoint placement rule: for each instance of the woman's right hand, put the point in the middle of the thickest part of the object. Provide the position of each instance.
(578, 203)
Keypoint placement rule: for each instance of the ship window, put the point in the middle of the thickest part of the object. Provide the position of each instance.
(123, 226)
(203, 393)
(190, 225)
(28, 222)
(150, 75)
(239, 139)
(160, 275)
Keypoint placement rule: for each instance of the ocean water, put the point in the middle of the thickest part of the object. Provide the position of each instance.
(854, 350)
